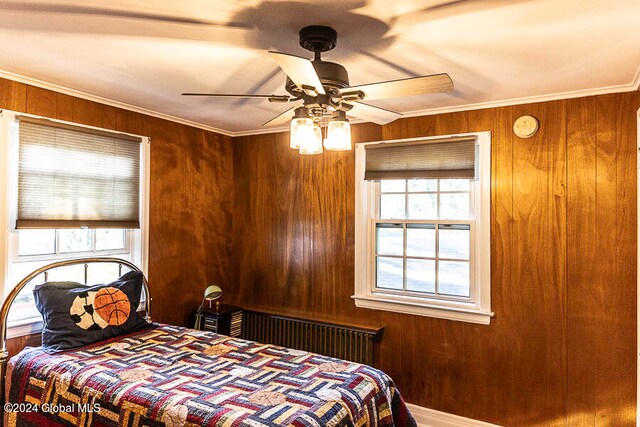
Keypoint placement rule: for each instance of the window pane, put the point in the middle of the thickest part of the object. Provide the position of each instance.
(453, 241)
(36, 242)
(453, 278)
(73, 273)
(454, 184)
(75, 240)
(392, 185)
(109, 239)
(389, 273)
(392, 206)
(390, 240)
(454, 206)
(421, 240)
(20, 269)
(421, 275)
(24, 306)
(423, 185)
(102, 273)
(423, 206)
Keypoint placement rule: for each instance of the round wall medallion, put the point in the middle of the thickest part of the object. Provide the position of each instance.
(525, 126)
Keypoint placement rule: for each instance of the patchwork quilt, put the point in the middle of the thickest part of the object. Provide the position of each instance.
(173, 376)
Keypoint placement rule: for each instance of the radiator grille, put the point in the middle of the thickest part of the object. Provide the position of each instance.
(341, 341)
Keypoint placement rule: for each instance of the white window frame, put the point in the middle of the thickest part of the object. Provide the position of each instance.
(136, 243)
(475, 309)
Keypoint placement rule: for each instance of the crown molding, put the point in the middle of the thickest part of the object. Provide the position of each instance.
(636, 80)
(107, 101)
(529, 99)
(633, 86)
(279, 129)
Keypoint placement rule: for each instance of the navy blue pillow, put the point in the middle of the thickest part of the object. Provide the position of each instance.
(76, 315)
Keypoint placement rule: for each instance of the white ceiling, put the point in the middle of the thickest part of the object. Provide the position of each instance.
(495, 51)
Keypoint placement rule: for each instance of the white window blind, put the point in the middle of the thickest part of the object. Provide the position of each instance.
(446, 158)
(70, 176)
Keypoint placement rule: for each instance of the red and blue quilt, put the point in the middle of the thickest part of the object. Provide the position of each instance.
(173, 376)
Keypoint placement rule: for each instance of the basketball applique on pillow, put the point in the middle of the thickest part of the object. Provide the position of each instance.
(76, 315)
(96, 310)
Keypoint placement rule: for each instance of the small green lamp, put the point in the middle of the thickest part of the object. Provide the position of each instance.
(212, 293)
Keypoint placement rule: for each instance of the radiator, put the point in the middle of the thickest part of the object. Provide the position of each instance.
(341, 341)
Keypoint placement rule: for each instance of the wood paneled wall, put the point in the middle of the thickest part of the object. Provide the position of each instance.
(562, 347)
(190, 195)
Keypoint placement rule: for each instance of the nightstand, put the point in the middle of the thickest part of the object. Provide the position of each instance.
(223, 319)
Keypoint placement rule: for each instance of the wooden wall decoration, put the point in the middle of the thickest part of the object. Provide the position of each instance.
(562, 347)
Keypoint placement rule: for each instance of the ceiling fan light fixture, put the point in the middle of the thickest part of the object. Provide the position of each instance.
(312, 145)
(338, 133)
(302, 128)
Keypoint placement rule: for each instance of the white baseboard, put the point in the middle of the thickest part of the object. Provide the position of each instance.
(426, 417)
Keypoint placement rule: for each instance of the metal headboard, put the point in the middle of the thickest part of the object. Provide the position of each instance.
(8, 302)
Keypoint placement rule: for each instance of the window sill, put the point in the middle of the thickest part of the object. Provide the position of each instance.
(24, 327)
(423, 309)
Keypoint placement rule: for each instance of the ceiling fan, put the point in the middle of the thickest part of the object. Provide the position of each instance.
(320, 90)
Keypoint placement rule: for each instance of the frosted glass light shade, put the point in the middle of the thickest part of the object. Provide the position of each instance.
(301, 130)
(338, 136)
(312, 145)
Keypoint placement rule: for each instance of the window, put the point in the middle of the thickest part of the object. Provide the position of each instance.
(422, 241)
(86, 169)
(36, 248)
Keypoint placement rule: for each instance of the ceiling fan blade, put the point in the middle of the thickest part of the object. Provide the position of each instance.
(282, 118)
(113, 13)
(447, 9)
(373, 114)
(272, 98)
(435, 83)
(300, 70)
(103, 22)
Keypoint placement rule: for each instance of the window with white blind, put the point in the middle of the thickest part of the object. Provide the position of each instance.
(422, 227)
(69, 191)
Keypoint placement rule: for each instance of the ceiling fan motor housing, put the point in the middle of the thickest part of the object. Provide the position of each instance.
(319, 38)
(332, 76)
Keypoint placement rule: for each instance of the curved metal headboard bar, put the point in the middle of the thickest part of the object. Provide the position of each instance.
(8, 302)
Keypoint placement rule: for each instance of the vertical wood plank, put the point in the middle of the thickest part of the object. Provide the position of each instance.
(603, 297)
(64, 107)
(13, 95)
(582, 257)
(537, 300)
(41, 102)
(621, 403)
(88, 112)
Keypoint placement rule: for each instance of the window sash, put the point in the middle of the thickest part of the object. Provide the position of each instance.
(58, 254)
(373, 239)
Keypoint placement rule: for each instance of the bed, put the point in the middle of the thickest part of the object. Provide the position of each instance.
(175, 376)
